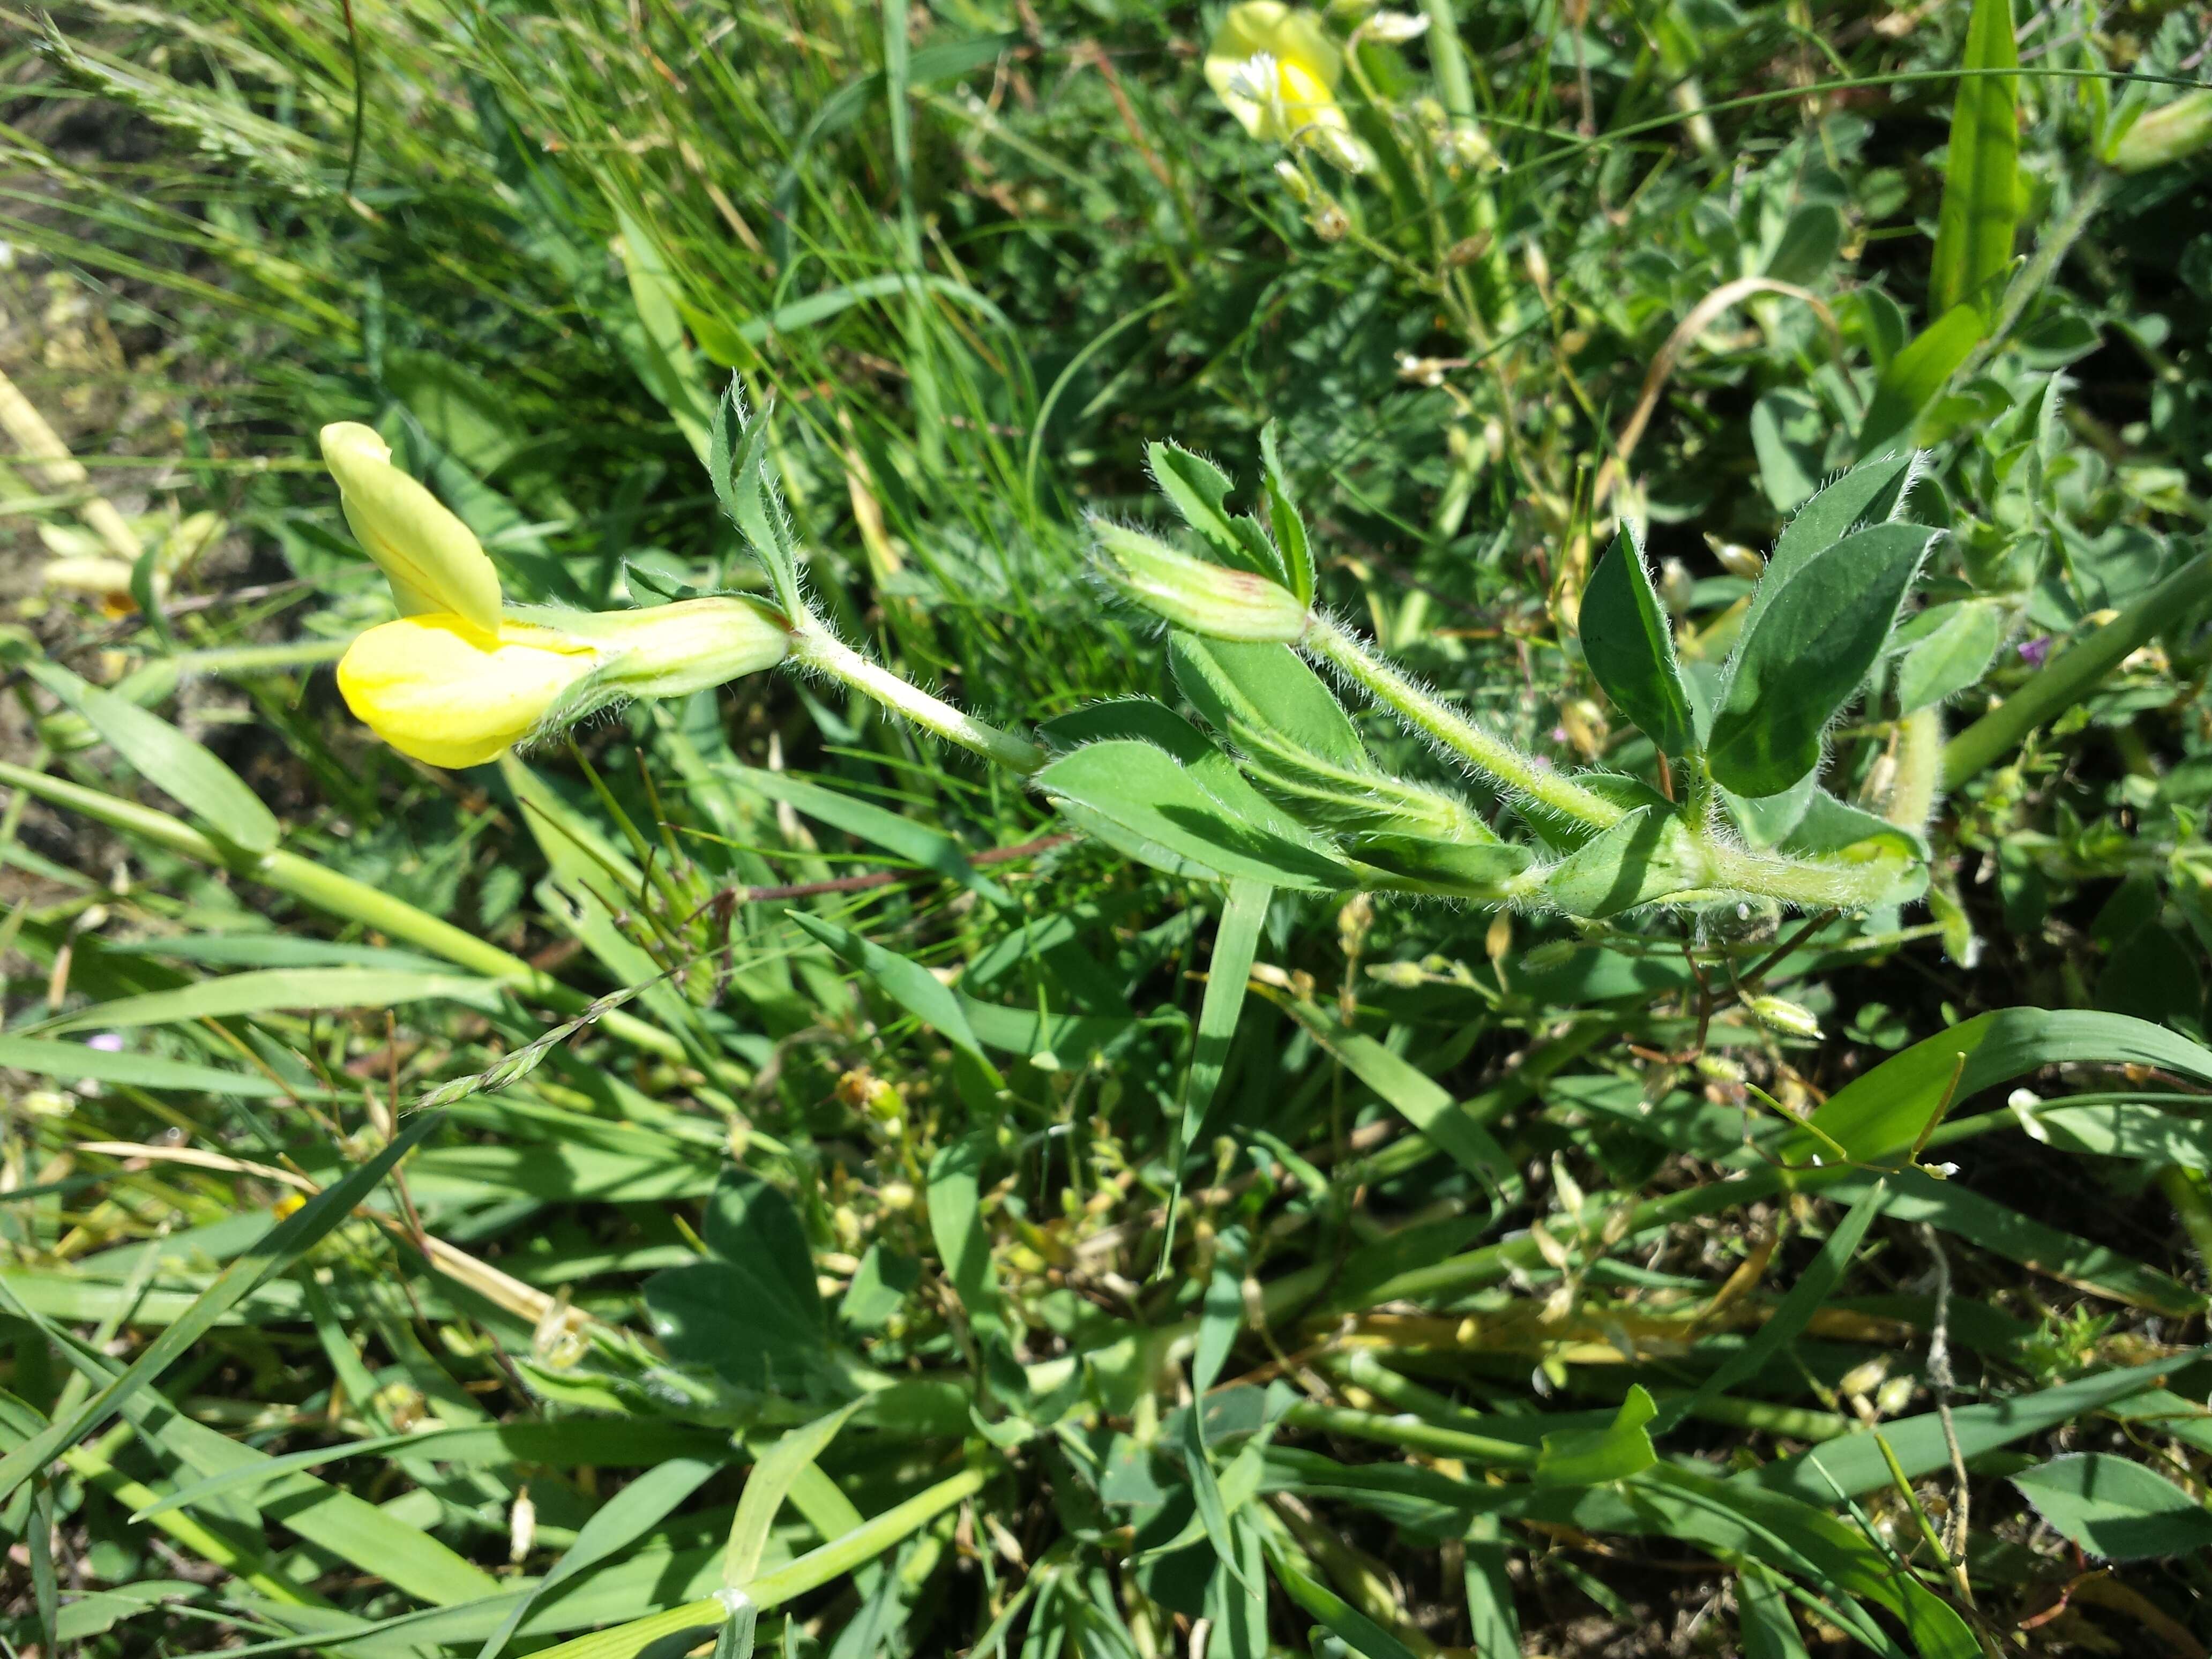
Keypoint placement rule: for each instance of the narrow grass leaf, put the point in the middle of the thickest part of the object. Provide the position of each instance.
(896, 834)
(616, 1525)
(262, 991)
(1974, 227)
(168, 759)
(777, 1471)
(2115, 1508)
(275, 1251)
(1806, 1297)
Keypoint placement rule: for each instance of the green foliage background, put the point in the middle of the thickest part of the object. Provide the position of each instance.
(825, 1253)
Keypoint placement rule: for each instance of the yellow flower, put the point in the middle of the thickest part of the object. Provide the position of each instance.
(432, 561)
(435, 688)
(446, 692)
(1277, 71)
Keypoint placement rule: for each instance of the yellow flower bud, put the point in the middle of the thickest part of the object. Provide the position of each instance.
(443, 692)
(1209, 599)
(432, 561)
(1276, 71)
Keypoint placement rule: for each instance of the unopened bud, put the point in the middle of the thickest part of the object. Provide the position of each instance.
(1467, 250)
(1539, 268)
(2171, 132)
(1554, 953)
(1780, 1014)
(521, 1528)
(1395, 28)
(1338, 147)
(1737, 560)
(1463, 145)
(1211, 601)
(1328, 221)
(1863, 1378)
(1295, 182)
(1399, 975)
(1717, 1068)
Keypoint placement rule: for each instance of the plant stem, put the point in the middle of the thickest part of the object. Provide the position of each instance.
(1412, 1434)
(1816, 884)
(815, 647)
(2069, 676)
(1521, 775)
(357, 901)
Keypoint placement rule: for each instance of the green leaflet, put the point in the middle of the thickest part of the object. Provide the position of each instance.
(1810, 239)
(1199, 490)
(1140, 792)
(750, 1308)
(1981, 178)
(1815, 626)
(1629, 644)
(1647, 856)
(1948, 649)
(747, 497)
(1283, 518)
(955, 1222)
(1833, 512)
(1263, 697)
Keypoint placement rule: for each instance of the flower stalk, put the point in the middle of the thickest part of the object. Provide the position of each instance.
(813, 645)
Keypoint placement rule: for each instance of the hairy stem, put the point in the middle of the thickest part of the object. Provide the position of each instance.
(1521, 775)
(815, 647)
(1815, 884)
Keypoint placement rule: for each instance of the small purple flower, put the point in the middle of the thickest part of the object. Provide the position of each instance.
(109, 1042)
(2033, 651)
(1559, 734)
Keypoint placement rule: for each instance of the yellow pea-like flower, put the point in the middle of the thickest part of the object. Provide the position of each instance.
(444, 691)
(434, 562)
(1276, 70)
